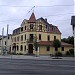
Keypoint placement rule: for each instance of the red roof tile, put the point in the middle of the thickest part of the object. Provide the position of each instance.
(51, 43)
(32, 18)
(45, 42)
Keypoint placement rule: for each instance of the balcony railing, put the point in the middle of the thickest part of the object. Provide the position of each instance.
(30, 40)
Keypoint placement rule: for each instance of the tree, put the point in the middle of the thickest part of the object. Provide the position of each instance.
(69, 40)
(71, 51)
(56, 44)
(35, 44)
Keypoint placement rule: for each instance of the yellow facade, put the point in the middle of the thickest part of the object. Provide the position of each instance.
(40, 28)
(23, 38)
(43, 50)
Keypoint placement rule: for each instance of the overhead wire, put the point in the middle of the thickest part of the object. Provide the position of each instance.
(20, 18)
(34, 5)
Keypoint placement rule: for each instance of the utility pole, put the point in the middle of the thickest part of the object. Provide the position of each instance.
(73, 26)
(2, 41)
(7, 40)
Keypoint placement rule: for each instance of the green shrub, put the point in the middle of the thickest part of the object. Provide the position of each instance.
(19, 54)
(58, 54)
(71, 51)
(67, 53)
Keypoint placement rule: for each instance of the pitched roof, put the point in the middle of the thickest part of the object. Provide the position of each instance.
(66, 44)
(51, 43)
(45, 42)
(32, 18)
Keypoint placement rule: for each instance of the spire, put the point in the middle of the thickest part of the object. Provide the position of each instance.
(32, 18)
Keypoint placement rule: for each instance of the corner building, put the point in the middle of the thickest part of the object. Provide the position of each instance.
(23, 37)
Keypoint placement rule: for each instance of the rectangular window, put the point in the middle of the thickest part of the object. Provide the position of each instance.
(25, 36)
(40, 27)
(46, 26)
(21, 48)
(25, 48)
(52, 28)
(15, 39)
(18, 38)
(54, 37)
(39, 36)
(48, 29)
(22, 29)
(17, 47)
(21, 37)
(56, 49)
(5, 42)
(62, 48)
(48, 48)
(48, 38)
(31, 38)
(31, 26)
(8, 37)
(25, 27)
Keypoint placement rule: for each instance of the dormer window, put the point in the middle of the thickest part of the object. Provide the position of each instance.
(31, 26)
(46, 26)
(52, 28)
(48, 29)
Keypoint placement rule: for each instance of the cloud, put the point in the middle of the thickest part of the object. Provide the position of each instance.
(57, 15)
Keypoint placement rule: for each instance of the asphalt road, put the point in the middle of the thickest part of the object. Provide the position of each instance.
(36, 67)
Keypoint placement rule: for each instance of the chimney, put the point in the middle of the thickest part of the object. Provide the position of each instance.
(46, 19)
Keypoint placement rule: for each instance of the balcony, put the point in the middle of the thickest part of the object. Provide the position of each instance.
(30, 40)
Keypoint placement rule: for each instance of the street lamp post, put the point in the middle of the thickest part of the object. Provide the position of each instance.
(7, 41)
(2, 41)
(73, 26)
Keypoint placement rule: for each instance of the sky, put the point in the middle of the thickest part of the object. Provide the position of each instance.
(57, 12)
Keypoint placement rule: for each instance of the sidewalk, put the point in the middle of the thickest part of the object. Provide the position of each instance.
(36, 58)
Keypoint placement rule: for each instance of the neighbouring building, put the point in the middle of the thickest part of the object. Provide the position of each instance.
(4, 43)
(39, 30)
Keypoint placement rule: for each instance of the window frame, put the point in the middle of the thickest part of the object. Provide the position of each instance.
(48, 48)
(40, 27)
(25, 36)
(39, 36)
(48, 37)
(21, 37)
(21, 48)
(54, 37)
(62, 48)
(31, 26)
(21, 29)
(25, 27)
